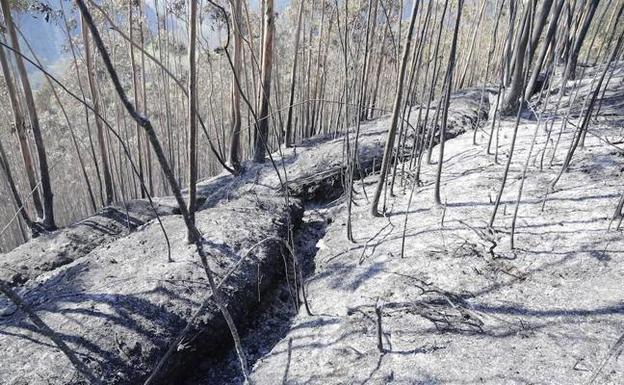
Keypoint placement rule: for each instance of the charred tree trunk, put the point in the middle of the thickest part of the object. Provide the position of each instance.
(447, 101)
(108, 183)
(234, 154)
(262, 127)
(511, 103)
(293, 78)
(389, 147)
(548, 44)
(192, 119)
(580, 38)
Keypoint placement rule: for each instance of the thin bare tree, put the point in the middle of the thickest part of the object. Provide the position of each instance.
(293, 77)
(394, 120)
(447, 101)
(234, 154)
(262, 126)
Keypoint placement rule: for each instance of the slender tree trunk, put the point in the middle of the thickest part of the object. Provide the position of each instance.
(538, 25)
(135, 87)
(317, 105)
(389, 147)
(380, 61)
(293, 77)
(434, 82)
(234, 154)
(262, 128)
(548, 42)
(192, 119)
(511, 103)
(108, 183)
(588, 111)
(605, 44)
(89, 190)
(148, 150)
(499, 195)
(580, 38)
(447, 102)
(507, 54)
(472, 45)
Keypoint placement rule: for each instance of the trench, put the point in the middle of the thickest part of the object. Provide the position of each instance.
(271, 320)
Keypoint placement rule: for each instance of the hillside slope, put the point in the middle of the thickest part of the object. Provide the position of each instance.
(119, 305)
(462, 307)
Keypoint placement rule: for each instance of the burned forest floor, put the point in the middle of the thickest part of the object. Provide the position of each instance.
(455, 302)
(460, 306)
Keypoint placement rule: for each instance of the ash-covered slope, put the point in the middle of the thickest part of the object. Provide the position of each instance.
(462, 307)
(117, 302)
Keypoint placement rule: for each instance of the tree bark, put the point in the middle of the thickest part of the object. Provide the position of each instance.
(262, 127)
(234, 151)
(447, 102)
(108, 183)
(511, 104)
(389, 147)
(293, 77)
(580, 38)
(192, 108)
(548, 42)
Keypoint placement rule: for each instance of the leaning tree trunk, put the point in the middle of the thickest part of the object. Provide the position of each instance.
(46, 186)
(262, 127)
(389, 148)
(506, 66)
(548, 42)
(584, 126)
(580, 38)
(538, 26)
(447, 101)
(511, 103)
(477, 29)
(523, 79)
(234, 157)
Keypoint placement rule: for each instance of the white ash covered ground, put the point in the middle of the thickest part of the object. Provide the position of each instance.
(461, 307)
